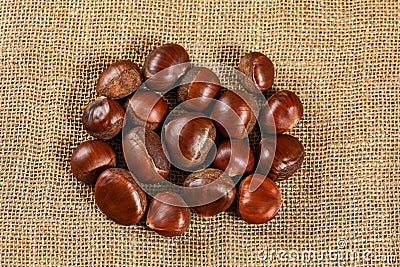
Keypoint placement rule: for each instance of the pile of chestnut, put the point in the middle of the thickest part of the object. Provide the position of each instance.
(117, 191)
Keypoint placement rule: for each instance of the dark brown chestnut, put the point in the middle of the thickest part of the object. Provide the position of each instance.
(119, 197)
(234, 114)
(281, 113)
(189, 139)
(201, 84)
(90, 159)
(145, 156)
(205, 198)
(234, 156)
(119, 80)
(259, 199)
(259, 69)
(287, 159)
(161, 59)
(146, 108)
(168, 214)
(103, 118)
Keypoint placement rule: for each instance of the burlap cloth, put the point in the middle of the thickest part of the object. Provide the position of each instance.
(341, 57)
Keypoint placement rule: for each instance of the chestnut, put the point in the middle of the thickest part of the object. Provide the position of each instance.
(189, 140)
(209, 191)
(119, 80)
(119, 197)
(146, 108)
(234, 114)
(287, 159)
(259, 69)
(103, 118)
(281, 113)
(234, 156)
(259, 199)
(168, 214)
(91, 158)
(145, 156)
(201, 84)
(157, 67)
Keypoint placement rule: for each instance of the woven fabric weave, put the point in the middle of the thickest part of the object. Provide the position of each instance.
(341, 58)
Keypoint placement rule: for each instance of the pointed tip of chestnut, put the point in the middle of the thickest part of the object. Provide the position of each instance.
(208, 199)
(157, 67)
(103, 118)
(119, 80)
(119, 197)
(287, 159)
(90, 159)
(281, 113)
(259, 199)
(168, 214)
(259, 69)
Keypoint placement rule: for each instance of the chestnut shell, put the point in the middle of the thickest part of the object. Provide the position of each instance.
(103, 118)
(230, 103)
(90, 159)
(262, 204)
(119, 80)
(119, 197)
(259, 68)
(166, 219)
(283, 112)
(161, 59)
(195, 192)
(146, 108)
(287, 159)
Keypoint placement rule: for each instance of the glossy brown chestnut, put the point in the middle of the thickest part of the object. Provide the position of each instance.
(262, 204)
(189, 139)
(119, 80)
(287, 159)
(103, 118)
(209, 199)
(168, 214)
(259, 69)
(146, 108)
(234, 156)
(145, 156)
(281, 113)
(90, 159)
(161, 59)
(234, 114)
(201, 84)
(119, 197)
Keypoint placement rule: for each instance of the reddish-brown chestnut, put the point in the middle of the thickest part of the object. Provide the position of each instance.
(168, 214)
(162, 59)
(259, 69)
(145, 156)
(281, 113)
(201, 84)
(119, 197)
(90, 159)
(146, 108)
(262, 204)
(234, 156)
(209, 199)
(287, 159)
(119, 80)
(234, 114)
(103, 118)
(189, 139)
